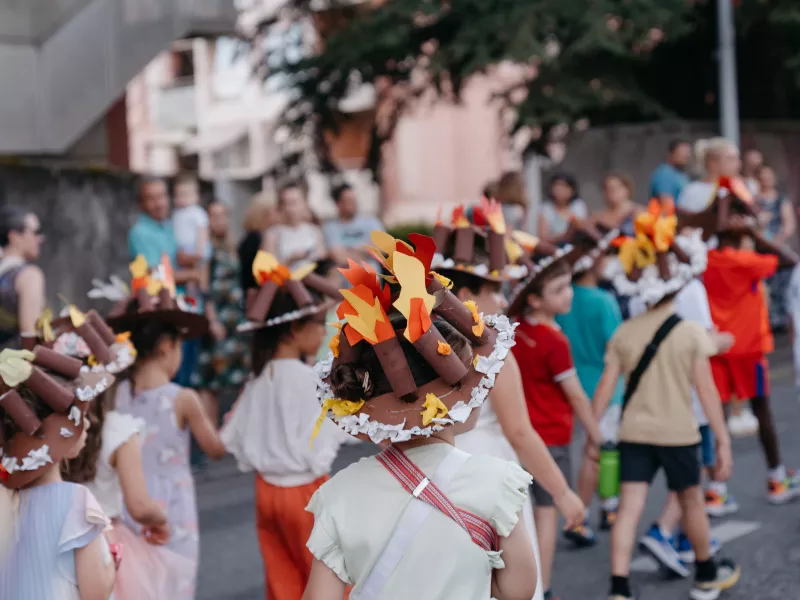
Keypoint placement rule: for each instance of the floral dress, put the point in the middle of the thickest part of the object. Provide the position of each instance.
(224, 364)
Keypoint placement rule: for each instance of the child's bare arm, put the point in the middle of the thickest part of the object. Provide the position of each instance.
(582, 406)
(712, 407)
(605, 389)
(190, 412)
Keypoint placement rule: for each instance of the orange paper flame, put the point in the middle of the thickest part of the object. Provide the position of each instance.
(365, 316)
(460, 219)
(494, 215)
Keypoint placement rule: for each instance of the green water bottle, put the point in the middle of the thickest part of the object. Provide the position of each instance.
(608, 480)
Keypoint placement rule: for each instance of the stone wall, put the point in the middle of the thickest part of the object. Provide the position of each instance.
(85, 217)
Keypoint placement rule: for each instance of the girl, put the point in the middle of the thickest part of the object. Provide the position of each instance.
(717, 157)
(562, 206)
(223, 364)
(269, 430)
(620, 210)
(158, 323)
(297, 240)
(51, 542)
(510, 189)
(393, 525)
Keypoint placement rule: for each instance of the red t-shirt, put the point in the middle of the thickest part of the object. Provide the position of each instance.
(544, 358)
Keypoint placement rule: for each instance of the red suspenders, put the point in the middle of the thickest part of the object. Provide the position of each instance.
(416, 483)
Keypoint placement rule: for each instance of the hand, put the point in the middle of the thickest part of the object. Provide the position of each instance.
(218, 331)
(571, 508)
(592, 451)
(158, 535)
(722, 340)
(722, 471)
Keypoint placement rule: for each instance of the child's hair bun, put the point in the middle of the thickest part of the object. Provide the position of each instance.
(350, 382)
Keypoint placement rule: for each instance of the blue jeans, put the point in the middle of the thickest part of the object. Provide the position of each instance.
(191, 352)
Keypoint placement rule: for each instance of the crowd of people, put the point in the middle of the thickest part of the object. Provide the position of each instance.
(465, 358)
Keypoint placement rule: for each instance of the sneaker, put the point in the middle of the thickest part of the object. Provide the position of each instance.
(661, 548)
(781, 492)
(607, 519)
(582, 536)
(685, 551)
(718, 505)
(749, 421)
(742, 426)
(728, 573)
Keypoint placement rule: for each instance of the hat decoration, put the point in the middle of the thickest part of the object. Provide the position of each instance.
(61, 382)
(271, 276)
(420, 296)
(86, 337)
(656, 262)
(155, 291)
(456, 243)
(732, 199)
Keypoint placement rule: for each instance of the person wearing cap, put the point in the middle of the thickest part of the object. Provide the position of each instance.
(412, 363)
(22, 284)
(51, 531)
(553, 392)
(272, 421)
(662, 358)
(503, 428)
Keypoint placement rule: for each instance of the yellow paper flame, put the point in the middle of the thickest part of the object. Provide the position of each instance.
(340, 408)
(45, 325)
(433, 408)
(410, 274)
(76, 316)
(15, 366)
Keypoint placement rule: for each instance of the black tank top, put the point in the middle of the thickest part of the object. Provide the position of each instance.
(9, 305)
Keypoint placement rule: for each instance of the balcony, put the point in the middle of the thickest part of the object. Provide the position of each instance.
(176, 107)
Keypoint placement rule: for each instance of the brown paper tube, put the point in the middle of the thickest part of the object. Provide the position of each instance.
(96, 344)
(48, 389)
(299, 293)
(635, 274)
(497, 251)
(465, 245)
(662, 261)
(441, 233)
(679, 253)
(28, 341)
(14, 406)
(165, 301)
(452, 310)
(120, 308)
(543, 249)
(145, 301)
(323, 286)
(101, 327)
(347, 353)
(61, 364)
(723, 211)
(258, 309)
(449, 367)
(393, 360)
(250, 296)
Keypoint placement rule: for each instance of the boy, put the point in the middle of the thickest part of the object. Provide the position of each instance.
(553, 391)
(594, 318)
(734, 281)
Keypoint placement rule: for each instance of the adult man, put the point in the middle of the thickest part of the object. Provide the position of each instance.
(21, 283)
(349, 232)
(669, 178)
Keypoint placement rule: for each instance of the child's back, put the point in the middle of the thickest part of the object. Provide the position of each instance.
(54, 521)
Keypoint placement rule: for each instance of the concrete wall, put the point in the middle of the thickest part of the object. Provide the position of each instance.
(638, 149)
(85, 217)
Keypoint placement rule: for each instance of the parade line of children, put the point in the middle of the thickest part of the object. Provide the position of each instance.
(465, 361)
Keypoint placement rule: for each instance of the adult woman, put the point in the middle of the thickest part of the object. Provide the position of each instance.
(297, 240)
(510, 189)
(223, 361)
(563, 205)
(260, 216)
(620, 210)
(717, 157)
(778, 223)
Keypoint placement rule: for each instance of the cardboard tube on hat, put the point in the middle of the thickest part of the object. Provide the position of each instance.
(257, 310)
(145, 301)
(165, 301)
(452, 310)
(348, 353)
(441, 233)
(96, 344)
(57, 397)
(51, 360)
(393, 360)
(13, 404)
(448, 366)
(300, 294)
(101, 327)
(465, 245)
(323, 286)
(497, 251)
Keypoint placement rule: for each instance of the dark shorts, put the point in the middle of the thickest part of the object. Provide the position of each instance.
(562, 457)
(639, 463)
(708, 450)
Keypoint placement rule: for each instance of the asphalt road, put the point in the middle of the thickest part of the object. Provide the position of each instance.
(764, 539)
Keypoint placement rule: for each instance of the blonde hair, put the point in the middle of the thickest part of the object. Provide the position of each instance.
(510, 189)
(704, 150)
(261, 213)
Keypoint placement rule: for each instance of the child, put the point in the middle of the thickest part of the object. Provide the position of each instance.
(51, 533)
(553, 391)
(111, 467)
(589, 325)
(503, 429)
(158, 322)
(393, 525)
(271, 424)
(191, 227)
(296, 240)
(734, 281)
(662, 357)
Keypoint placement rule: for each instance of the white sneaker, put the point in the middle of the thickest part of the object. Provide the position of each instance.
(735, 426)
(750, 422)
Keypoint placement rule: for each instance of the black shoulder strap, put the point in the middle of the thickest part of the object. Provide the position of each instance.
(647, 357)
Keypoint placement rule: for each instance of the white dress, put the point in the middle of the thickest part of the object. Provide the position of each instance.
(356, 511)
(487, 438)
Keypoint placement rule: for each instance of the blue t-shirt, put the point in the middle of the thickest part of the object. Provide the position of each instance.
(152, 239)
(351, 234)
(589, 326)
(668, 180)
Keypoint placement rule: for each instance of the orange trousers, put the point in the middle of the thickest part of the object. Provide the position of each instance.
(284, 527)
